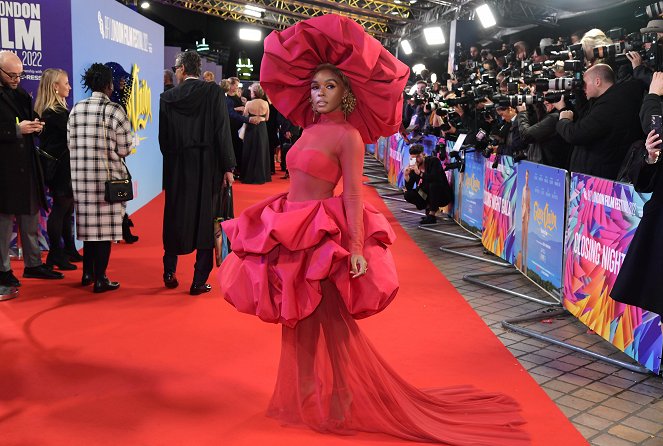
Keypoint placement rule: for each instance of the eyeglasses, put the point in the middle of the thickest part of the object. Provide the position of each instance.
(174, 68)
(14, 76)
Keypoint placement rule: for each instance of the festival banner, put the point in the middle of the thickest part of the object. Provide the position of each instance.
(38, 32)
(499, 206)
(602, 218)
(539, 224)
(469, 185)
(107, 31)
(395, 162)
(380, 149)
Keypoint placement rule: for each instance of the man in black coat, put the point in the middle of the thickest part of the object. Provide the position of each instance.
(546, 145)
(194, 135)
(608, 127)
(21, 181)
(426, 185)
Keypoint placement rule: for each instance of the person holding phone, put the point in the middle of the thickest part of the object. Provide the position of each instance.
(21, 181)
(426, 185)
(639, 281)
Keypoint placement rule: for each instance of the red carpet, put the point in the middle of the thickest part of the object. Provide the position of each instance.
(150, 366)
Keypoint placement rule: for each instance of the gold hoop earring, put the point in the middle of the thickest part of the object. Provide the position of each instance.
(348, 103)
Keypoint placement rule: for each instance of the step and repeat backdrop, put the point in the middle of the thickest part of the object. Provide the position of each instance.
(73, 34)
(566, 232)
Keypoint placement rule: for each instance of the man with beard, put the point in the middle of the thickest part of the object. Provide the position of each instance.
(194, 135)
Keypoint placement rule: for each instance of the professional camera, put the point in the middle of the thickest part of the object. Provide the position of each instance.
(484, 144)
(653, 11)
(560, 83)
(458, 162)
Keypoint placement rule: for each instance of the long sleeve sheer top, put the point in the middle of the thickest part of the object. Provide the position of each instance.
(328, 150)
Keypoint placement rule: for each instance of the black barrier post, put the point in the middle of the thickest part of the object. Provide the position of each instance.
(549, 313)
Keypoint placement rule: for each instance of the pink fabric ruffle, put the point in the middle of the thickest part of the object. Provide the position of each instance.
(283, 250)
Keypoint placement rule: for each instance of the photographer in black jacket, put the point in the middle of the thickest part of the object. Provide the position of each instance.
(426, 184)
(545, 144)
(609, 125)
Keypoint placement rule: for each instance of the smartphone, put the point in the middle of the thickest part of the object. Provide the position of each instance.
(413, 161)
(657, 124)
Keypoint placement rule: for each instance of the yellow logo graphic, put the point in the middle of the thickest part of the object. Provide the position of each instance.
(545, 217)
(472, 183)
(139, 104)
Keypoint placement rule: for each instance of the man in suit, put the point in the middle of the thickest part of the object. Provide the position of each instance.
(21, 182)
(198, 157)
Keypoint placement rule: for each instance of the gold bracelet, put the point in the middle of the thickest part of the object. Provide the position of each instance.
(655, 160)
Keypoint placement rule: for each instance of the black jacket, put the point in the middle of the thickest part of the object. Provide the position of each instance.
(546, 146)
(21, 180)
(433, 182)
(194, 135)
(53, 140)
(602, 136)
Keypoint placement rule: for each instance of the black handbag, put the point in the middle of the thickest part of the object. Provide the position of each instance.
(116, 191)
(49, 164)
(221, 243)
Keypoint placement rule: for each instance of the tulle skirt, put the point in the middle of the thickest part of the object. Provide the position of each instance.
(290, 265)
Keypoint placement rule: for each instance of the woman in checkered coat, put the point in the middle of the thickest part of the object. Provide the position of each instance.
(99, 137)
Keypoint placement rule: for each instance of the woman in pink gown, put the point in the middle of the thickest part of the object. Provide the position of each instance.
(314, 262)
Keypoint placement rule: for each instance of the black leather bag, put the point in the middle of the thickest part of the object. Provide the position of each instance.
(117, 191)
(49, 165)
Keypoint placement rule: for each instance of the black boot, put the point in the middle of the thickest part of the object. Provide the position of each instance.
(57, 257)
(126, 231)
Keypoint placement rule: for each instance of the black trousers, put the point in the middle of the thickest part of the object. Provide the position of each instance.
(59, 225)
(201, 270)
(95, 258)
(413, 197)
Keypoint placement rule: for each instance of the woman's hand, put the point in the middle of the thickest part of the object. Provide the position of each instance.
(651, 144)
(358, 265)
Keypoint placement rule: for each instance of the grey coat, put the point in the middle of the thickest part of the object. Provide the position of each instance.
(99, 137)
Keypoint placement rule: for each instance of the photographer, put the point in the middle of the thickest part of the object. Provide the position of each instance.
(546, 145)
(513, 143)
(602, 136)
(426, 184)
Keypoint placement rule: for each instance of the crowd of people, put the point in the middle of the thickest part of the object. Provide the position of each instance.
(600, 122)
(299, 258)
(502, 99)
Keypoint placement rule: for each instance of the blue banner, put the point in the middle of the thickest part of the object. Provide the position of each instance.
(469, 196)
(539, 224)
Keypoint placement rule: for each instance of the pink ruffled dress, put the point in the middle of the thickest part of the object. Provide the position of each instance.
(291, 265)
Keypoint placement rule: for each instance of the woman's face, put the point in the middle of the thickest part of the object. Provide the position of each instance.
(327, 91)
(62, 87)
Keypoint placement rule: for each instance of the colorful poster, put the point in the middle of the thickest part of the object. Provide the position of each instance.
(396, 161)
(602, 218)
(499, 206)
(540, 224)
(469, 197)
(370, 148)
(38, 32)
